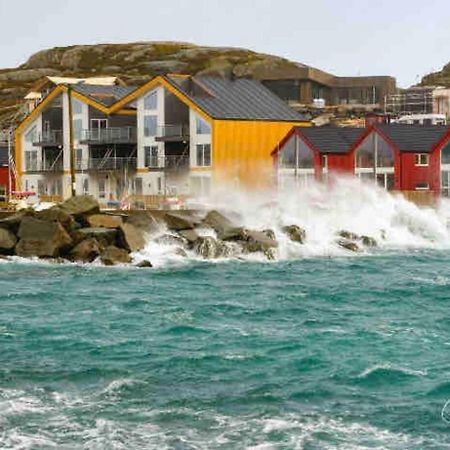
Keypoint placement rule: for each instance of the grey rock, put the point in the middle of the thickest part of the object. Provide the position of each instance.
(113, 255)
(7, 241)
(86, 251)
(295, 233)
(81, 205)
(145, 263)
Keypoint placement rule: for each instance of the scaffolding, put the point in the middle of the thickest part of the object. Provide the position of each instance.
(411, 101)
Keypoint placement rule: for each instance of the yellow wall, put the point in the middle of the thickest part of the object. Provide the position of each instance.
(242, 150)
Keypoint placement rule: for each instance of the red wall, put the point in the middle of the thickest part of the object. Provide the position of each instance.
(412, 175)
(4, 176)
(341, 164)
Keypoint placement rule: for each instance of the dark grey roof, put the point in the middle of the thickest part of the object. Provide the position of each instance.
(106, 95)
(414, 138)
(332, 139)
(3, 156)
(240, 98)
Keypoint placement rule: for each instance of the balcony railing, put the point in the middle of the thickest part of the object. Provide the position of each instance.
(111, 163)
(168, 162)
(174, 132)
(44, 166)
(119, 135)
(48, 138)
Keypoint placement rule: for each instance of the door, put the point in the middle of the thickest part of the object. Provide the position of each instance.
(97, 127)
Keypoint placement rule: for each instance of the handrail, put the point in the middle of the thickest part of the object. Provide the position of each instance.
(110, 135)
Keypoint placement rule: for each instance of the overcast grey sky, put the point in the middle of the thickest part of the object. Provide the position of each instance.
(403, 38)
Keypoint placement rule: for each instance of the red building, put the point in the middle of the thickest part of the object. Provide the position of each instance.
(397, 157)
(4, 174)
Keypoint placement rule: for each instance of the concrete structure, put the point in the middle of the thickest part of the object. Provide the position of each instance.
(302, 84)
(396, 157)
(176, 136)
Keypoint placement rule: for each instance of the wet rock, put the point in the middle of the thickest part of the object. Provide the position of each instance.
(113, 255)
(104, 221)
(41, 238)
(348, 245)
(171, 239)
(144, 264)
(131, 238)
(295, 233)
(144, 220)
(210, 248)
(80, 206)
(12, 222)
(224, 227)
(86, 251)
(181, 252)
(7, 241)
(56, 214)
(190, 235)
(270, 234)
(258, 241)
(368, 241)
(104, 236)
(180, 221)
(348, 235)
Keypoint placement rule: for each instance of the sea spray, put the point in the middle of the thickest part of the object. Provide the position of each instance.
(323, 211)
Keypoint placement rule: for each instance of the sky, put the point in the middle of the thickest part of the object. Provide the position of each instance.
(402, 38)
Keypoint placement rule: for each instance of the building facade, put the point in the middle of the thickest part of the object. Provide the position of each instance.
(174, 136)
(395, 157)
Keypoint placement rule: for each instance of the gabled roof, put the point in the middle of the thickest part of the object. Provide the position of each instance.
(414, 138)
(332, 139)
(242, 99)
(106, 95)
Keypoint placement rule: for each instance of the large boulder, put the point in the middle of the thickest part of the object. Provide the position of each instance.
(223, 226)
(345, 234)
(81, 205)
(12, 222)
(131, 238)
(178, 221)
(172, 239)
(259, 241)
(368, 241)
(7, 241)
(190, 235)
(57, 214)
(41, 238)
(210, 248)
(348, 245)
(113, 255)
(295, 233)
(104, 221)
(86, 251)
(145, 221)
(105, 236)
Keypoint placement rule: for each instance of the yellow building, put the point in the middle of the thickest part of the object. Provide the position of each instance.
(175, 135)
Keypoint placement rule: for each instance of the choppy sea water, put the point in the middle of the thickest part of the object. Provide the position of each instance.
(317, 353)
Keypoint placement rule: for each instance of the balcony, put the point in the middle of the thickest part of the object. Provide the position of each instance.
(120, 135)
(55, 166)
(112, 163)
(50, 138)
(172, 133)
(168, 163)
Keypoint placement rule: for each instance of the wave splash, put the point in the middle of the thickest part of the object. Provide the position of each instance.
(363, 209)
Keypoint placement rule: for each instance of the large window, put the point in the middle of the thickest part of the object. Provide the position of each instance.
(151, 156)
(202, 126)
(77, 128)
(31, 161)
(150, 125)
(204, 155)
(296, 154)
(151, 101)
(77, 106)
(374, 161)
(30, 136)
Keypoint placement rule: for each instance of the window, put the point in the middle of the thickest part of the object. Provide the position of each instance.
(422, 187)
(138, 186)
(79, 159)
(30, 136)
(202, 126)
(40, 187)
(77, 106)
(421, 159)
(77, 127)
(101, 188)
(151, 101)
(85, 186)
(204, 155)
(151, 156)
(31, 160)
(324, 161)
(150, 125)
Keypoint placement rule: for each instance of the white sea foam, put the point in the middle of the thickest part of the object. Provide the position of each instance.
(393, 368)
(349, 205)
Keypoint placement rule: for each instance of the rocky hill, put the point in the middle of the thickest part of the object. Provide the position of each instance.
(134, 63)
(441, 78)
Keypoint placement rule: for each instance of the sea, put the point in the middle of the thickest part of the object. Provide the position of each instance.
(320, 349)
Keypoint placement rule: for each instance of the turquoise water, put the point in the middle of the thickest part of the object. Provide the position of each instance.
(321, 353)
